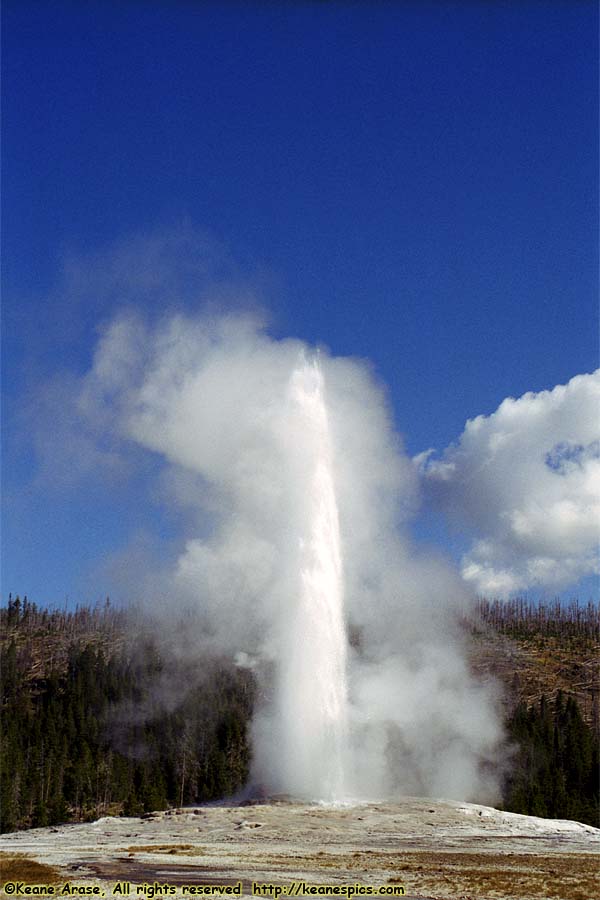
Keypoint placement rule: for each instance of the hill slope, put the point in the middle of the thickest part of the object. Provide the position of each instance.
(85, 735)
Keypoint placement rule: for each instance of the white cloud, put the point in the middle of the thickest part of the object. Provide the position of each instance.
(526, 479)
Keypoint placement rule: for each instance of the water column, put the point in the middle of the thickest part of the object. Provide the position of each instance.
(313, 689)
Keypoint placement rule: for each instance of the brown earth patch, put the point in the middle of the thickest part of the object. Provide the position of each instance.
(22, 868)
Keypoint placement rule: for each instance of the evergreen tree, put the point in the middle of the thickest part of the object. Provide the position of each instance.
(555, 770)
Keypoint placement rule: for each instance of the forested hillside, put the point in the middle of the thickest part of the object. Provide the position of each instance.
(556, 767)
(87, 730)
(541, 649)
(547, 656)
(95, 721)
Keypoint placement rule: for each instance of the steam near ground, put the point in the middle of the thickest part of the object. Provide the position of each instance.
(211, 396)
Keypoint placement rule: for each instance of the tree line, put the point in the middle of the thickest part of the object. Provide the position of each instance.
(89, 732)
(555, 769)
(521, 618)
(97, 723)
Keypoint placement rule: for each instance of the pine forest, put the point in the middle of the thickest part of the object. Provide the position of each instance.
(91, 726)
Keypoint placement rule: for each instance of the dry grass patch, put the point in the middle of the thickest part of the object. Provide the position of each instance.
(165, 848)
(22, 868)
(495, 876)
(525, 876)
(300, 862)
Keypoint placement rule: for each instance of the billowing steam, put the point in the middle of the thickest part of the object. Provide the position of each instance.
(300, 566)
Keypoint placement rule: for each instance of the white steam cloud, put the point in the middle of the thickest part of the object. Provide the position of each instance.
(208, 394)
(527, 480)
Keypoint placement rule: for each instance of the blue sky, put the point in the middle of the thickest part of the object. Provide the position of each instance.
(411, 183)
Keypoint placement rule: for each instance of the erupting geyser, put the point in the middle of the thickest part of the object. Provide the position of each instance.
(312, 698)
(299, 490)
